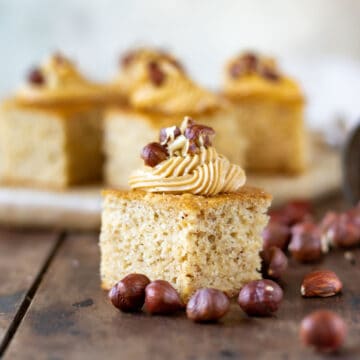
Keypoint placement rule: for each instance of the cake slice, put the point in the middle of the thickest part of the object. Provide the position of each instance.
(188, 220)
(51, 129)
(270, 109)
(159, 93)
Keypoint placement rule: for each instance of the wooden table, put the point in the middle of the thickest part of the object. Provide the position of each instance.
(51, 307)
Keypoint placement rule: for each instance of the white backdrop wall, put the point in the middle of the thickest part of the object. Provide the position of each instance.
(317, 40)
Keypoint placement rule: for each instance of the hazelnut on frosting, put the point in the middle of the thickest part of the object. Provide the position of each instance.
(57, 79)
(252, 74)
(155, 81)
(184, 161)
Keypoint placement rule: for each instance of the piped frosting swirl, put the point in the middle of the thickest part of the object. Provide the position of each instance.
(57, 79)
(155, 81)
(192, 166)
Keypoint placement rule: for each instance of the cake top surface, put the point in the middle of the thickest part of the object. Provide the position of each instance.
(250, 74)
(153, 80)
(184, 161)
(247, 194)
(57, 80)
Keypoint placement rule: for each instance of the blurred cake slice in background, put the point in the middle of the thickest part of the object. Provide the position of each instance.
(270, 109)
(51, 131)
(158, 93)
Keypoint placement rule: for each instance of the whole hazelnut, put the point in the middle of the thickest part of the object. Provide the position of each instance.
(128, 295)
(275, 262)
(305, 244)
(207, 305)
(324, 330)
(298, 211)
(260, 297)
(153, 154)
(276, 234)
(161, 298)
(321, 283)
(200, 134)
(340, 230)
(36, 77)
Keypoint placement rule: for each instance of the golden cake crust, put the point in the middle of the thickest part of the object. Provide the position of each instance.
(190, 201)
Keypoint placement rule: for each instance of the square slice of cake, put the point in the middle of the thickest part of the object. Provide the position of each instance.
(270, 109)
(50, 146)
(192, 241)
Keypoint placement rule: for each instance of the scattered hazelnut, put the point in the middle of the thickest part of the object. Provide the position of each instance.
(167, 134)
(321, 283)
(324, 330)
(162, 298)
(207, 305)
(293, 212)
(340, 230)
(157, 76)
(153, 154)
(36, 77)
(276, 234)
(128, 295)
(275, 262)
(305, 244)
(200, 134)
(260, 297)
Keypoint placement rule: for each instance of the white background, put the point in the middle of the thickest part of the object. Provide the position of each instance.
(316, 40)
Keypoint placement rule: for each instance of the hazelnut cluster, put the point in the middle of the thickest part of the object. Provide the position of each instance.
(172, 139)
(250, 63)
(135, 291)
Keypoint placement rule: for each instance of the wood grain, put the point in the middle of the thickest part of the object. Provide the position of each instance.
(71, 318)
(22, 259)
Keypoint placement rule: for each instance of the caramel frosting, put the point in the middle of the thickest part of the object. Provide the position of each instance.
(58, 79)
(155, 81)
(192, 165)
(253, 75)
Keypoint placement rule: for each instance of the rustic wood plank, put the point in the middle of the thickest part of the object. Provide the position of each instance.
(71, 318)
(23, 256)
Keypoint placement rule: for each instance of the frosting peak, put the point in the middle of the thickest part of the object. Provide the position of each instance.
(155, 81)
(57, 79)
(185, 162)
(252, 74)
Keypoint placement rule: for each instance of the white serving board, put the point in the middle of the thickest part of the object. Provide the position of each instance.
(80, 208)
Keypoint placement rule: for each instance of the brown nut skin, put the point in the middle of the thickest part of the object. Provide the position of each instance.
(305, 244)
(274, 264)
(324, 330)
(292, 213)
(245, 64)
(156, 75)
(128, 295)
(153, 154)
(207, 305)
(260, 297)
(321, 283)
(340, 230)
(276, 234)
(196, 131)
(36, 77)
(162, 299)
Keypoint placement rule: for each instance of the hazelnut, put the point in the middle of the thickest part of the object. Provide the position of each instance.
(292, 213)
(245, 64)
(269, 73)
(200, 134)
(35, 77)
(153, 154)
(340, 230)
(305, 244)
(128, 295)
(324, 330)
(167, 134)
(275, 262)
(276, 234)
(157, 76)
(207, 305)
(260, 297)
(162, 298)
(321, 283)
